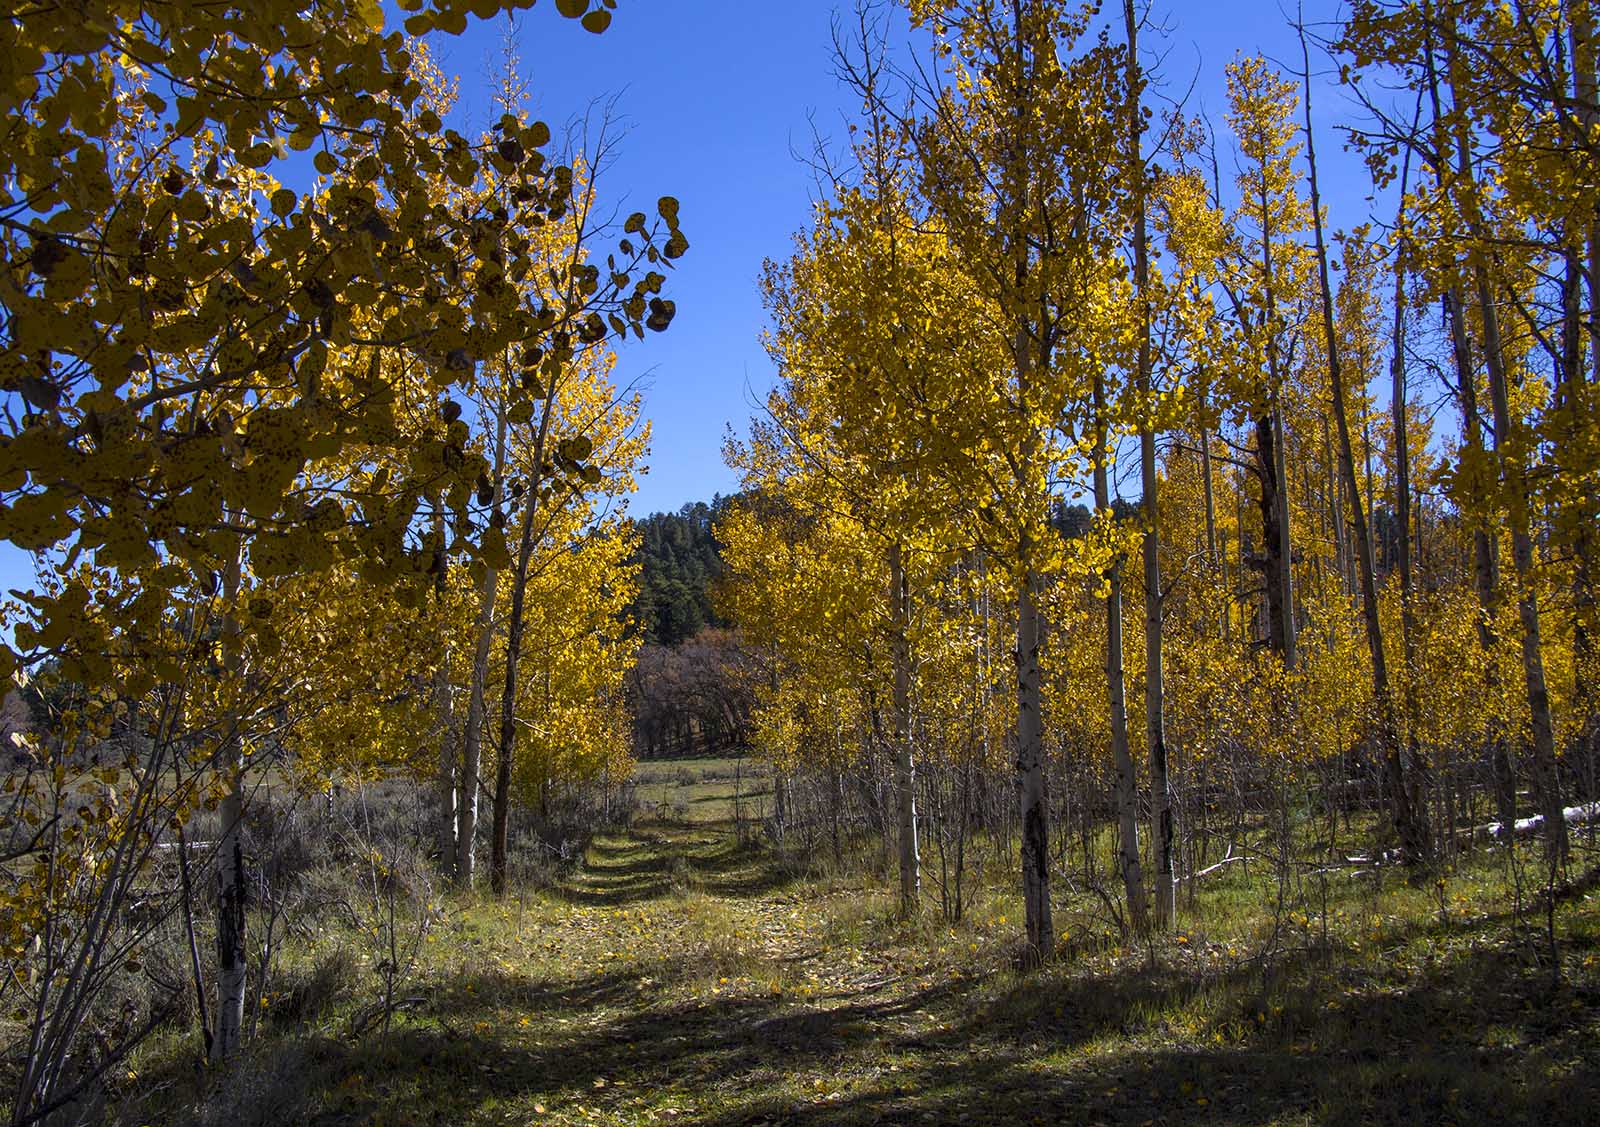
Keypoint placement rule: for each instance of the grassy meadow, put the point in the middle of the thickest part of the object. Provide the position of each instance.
(686, 973)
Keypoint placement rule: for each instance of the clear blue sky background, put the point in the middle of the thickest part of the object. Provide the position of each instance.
(719, 98)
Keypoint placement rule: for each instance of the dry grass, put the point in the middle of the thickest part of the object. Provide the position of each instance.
(682, 976)
(705, 790)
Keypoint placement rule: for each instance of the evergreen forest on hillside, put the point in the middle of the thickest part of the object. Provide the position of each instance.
(1145, 670)
(679, 560)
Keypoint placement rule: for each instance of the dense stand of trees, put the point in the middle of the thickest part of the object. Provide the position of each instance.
(691, 690)
(679, 561)
(1358, 539)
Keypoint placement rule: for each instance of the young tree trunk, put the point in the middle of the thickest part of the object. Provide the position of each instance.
(445, 780)
(1033, 801)
(1398, 396)
(1402, 808)
(1208, 487)
(1513, 468)
(1335, 506)
(1508, 460)
(1275, 541)
(1579, 520)
(1510, 456)
(1154, 688)
(905, 778)
(472, 727)
(1402, 492)
(231, 887)
(1127, 791)
(1581, 420)
(515, 625)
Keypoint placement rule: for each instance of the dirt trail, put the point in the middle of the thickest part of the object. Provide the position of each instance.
(677, 977)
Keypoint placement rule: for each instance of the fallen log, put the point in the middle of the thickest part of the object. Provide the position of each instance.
(1523, 827)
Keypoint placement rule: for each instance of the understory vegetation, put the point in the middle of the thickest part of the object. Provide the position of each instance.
(692, 972)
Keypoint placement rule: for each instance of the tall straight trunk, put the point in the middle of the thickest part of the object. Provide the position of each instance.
(1032, 796)
(1285, 549)
(472, 726)
(1155, 725)
(1274, 540)
(1033, 800)
(445, 779)
(1485, 556)
(1367, 475)
(1485, 544)
(905, 776)
(1341, 540)
(1580, 519)
(231, 887)
(1508, 447)
(1209, 490)
(1402, 807)
(1510, 457)
(1511, 462)
(1127, 790)
(1402, 480)
(1580, 420)
(1276, 543)
(515, 625)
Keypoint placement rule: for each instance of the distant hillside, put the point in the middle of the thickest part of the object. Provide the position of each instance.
(681, 559)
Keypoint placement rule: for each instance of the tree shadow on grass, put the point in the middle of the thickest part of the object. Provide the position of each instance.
(1471, 1041)
(1476, 1035)
(702, 856)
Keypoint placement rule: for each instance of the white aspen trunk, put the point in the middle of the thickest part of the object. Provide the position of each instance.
(1164, 888)
(445, 780)
(905, 778)
(1285, 547)
(1512, 464)
(1546, 777)
(1127, 789)
(501, 825)
(472, 728)
(1403, 809)
(1402, 491)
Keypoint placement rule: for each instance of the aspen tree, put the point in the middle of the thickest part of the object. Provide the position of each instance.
(1267, 277)
(1402, 803)
(1013, 156)
(1163, 886)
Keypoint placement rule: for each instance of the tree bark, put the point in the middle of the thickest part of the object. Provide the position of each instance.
(445, 780)
(1209, 491)
(1402, 490)
(231, 887)
(515, 625)
(1033, 801)
(472, 728)
(1275, 541)
(1165, 891)
(1402, 810)
(1511, 466)
(905, 778)
(1513, 469)
(1580, 420)
(1127, 791)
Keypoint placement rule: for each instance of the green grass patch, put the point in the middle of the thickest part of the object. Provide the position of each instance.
(705, 790)
(681, 976)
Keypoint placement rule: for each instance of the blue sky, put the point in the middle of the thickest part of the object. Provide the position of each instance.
(720, 100)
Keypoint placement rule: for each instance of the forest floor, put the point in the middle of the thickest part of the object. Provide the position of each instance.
(681, 976)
